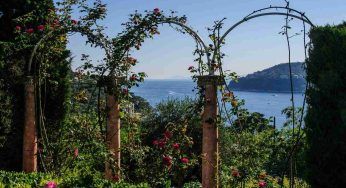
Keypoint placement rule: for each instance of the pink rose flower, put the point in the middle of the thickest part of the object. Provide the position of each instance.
(40, 27)
(51, 184)
(176, 146)
(30, 30)
(156, 11)
(168, 134)
(167, 160)
(162, 144)
(262, 184)
(18, 28)
(184, 160)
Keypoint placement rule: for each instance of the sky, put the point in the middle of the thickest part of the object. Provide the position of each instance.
(253, 46)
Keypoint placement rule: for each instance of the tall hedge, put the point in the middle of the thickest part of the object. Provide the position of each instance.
(326, 114)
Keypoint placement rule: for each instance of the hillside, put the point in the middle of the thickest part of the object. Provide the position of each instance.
(273, 79)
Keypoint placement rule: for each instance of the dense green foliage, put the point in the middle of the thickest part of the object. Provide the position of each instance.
(154, 143)
(72, 179)
(254, 150)
(326, 115)
(38, 21)
(54, 92)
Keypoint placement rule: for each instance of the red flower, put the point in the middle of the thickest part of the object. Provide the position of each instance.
(116, 178)
(30, 30)
(161, 143)
(74, 22)
(184, 160)
(155, 142)
(157, 11)
(235, 173)
(176, 146)
(167, 160)
(56, 23)
(168, 134)
(40, 27)
(191, 68)
(133, 77)
(76, 152)
(262, 184)
(18, 28)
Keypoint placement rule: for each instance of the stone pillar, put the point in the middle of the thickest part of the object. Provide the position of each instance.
(113, 129)
(30, 132)
(210, 153)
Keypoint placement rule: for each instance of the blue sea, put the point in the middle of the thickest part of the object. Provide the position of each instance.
(269, 104)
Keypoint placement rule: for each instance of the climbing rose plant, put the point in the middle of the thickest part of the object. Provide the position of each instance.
(173, 153)
(118, 61)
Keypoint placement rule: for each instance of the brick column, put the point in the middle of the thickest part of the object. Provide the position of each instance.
(113, 128)
(210, 153)
(30, 132)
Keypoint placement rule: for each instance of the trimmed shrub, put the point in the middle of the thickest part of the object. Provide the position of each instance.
(326, 114)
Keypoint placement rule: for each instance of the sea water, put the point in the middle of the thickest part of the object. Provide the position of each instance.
(268, 103)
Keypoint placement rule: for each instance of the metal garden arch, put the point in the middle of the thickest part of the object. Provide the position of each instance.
(113, 119)
(210, 82)
(274, 11)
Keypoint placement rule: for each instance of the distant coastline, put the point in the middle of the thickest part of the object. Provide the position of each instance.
(271, 80)
(274, 79)
(267, 91)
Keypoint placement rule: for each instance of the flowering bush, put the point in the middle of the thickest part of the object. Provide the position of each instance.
(160, 146)
(174, 149)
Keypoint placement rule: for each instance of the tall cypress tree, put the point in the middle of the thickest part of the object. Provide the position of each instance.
(326, 115)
